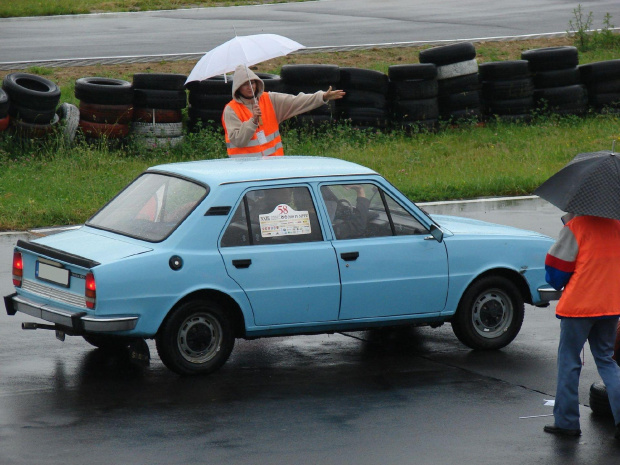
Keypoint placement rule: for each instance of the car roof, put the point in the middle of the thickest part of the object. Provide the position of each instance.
(231, 170)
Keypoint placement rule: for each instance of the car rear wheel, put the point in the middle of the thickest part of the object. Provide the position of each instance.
(489, 315)
(197, 338)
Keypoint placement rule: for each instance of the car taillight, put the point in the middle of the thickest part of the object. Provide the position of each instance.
(18, 269)
(90, 291)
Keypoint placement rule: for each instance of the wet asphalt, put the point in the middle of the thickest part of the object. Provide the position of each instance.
(403, 396)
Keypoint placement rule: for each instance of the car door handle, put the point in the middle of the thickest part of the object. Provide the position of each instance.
(349, 256)
(244, 263)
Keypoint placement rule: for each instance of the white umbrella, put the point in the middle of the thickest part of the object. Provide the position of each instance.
(242, 50)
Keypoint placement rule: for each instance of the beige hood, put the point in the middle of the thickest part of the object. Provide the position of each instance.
(241, 76)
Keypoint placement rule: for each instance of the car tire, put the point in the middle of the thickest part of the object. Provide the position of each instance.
(31, 91)
(196, 338)
(600, 71)
(104, 91)
(157, 115)
(159, 81)
(490, 314)
(417, 110)
(462, 68)
(551, 58)
(69, 116)
(413, 71)
(363, 98)
(164, 99)
(157, 129)
(465, 83)
(504, 70)
(28, 130)
(448, 54)
(363, 80)
(111, 114)
(104, 130)
(599, 400)
(31, 115)
(505, 90)
(414, 89)
(322, 75)
(556, 78)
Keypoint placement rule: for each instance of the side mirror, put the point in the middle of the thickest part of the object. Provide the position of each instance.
(436, 233)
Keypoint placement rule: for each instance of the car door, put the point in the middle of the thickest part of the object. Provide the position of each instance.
(274, 249)
(389, 263)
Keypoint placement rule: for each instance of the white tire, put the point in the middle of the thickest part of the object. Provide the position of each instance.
(462, 68)
(157, 129)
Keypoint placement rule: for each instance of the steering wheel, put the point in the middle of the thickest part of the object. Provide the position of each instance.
(344, 209)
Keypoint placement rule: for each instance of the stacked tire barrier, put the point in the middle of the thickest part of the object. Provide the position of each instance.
(106, 107)
(32, 102)
(4, 111)
(557, 84)
(158, 103)
(507, 90)
(309, 79)
(457, 78)
(602, 79)
(365, 104)
(208, 98)
(413, 95)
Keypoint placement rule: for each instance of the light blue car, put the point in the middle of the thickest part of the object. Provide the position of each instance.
(198, 254)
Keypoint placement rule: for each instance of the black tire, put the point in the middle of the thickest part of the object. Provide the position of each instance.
(366, 117)
(611, 100)
(364, 80)
(504, 70)
(105, 91)
(599, 400)
(69, 116)
(556, 78)
(310, 74)
(417, 110)
(414, 89)
(196, 338)
(212, 85)
(562, 95)
(30, 115)
(448, 54)
(459, 84)
(605, 87)
(600, 71)
(490, 314)
(363, 98)
(31, 91)
(412, 72)
(504, 90)
(205, 115)
(551, 58)
(459, 101)
(159, 81)
(4, 104)
(212, 101)
(519, 106)
(27, 130)
(164, 99)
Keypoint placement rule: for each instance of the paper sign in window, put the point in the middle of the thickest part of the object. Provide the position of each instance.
(284, 221)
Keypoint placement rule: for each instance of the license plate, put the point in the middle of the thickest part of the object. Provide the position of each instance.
(53, 274)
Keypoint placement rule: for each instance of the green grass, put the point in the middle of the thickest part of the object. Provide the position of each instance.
(44, 184)
(17, 8)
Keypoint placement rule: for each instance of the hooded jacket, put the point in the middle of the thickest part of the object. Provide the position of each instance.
(241, 130)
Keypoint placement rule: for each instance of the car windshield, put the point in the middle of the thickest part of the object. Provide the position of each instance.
(150, 208)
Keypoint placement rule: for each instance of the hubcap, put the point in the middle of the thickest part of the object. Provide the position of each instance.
(199, 338)
(492, 314)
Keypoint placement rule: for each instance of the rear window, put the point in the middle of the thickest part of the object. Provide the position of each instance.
(151, 207)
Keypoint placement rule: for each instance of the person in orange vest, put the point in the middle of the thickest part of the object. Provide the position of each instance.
(585, 261)
(251, 119)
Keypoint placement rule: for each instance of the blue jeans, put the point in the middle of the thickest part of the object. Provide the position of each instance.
(601, 334)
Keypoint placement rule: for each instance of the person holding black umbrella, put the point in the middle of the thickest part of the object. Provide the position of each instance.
(585, 262)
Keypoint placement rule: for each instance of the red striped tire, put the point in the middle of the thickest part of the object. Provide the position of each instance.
(104, 130)
(157, 115)
(111, 114)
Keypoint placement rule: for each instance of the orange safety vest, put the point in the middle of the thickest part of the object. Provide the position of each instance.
(273, 145)
(593, 289)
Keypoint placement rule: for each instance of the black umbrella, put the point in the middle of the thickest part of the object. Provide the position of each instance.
(588, 185)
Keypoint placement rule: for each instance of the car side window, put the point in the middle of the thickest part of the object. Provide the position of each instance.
(274, 216)
(404, 223)
(364, 210)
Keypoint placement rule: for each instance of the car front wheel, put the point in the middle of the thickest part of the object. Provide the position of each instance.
(489, 315)
(197, 338)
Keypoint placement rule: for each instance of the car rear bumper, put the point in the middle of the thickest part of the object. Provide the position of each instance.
(548, 294)
(79, 322)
